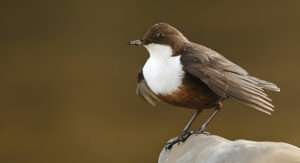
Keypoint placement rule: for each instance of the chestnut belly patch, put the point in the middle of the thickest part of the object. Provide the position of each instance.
(192, 94)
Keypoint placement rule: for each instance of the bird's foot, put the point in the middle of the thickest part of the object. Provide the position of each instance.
(179, 139)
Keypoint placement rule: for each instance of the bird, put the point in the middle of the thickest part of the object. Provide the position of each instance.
(184, 73)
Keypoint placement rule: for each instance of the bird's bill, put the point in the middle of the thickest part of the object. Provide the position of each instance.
(136, 42)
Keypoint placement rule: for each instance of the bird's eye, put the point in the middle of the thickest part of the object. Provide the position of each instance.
(159, 35)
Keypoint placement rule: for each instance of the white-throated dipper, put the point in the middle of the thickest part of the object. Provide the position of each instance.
(183, 73)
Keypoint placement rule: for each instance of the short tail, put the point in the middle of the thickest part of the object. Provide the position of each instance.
(249, 90)
(265, 84)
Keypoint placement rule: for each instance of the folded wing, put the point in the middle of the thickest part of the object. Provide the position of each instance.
(227, 79)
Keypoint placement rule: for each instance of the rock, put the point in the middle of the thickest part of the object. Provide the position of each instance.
(214, 149)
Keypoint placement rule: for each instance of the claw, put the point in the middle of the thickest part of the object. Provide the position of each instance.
(180, 139)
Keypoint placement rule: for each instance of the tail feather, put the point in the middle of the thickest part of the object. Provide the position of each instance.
(250, 91)
(265, 84)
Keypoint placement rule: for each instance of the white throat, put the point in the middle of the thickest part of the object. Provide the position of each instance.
(162, 71)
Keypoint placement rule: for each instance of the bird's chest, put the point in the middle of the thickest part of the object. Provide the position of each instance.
(163, 75)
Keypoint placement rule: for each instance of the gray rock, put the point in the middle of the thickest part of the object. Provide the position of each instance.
(215, 149)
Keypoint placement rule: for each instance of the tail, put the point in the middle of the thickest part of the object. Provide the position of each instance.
(263, 102)
(264, 84)
(250, 91)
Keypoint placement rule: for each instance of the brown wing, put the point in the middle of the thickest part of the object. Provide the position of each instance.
(144, 91)
(227, 79)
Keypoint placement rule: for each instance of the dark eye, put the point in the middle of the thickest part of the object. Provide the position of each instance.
(159, 35)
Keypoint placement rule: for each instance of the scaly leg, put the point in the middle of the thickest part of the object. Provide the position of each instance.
(210, 118)
(186, 133)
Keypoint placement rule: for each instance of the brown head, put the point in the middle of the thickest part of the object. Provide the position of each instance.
(162, 34)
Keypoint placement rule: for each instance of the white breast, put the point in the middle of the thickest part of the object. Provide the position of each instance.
(162, 72)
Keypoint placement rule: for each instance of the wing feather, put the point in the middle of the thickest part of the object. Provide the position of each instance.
(227, 79)
(145, 92)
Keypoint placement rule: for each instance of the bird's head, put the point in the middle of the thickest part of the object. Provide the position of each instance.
(161, 36)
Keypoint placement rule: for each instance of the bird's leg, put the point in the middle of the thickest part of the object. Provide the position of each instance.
(186, 133)
(202, 129)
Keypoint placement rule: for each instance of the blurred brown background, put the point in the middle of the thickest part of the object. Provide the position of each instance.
(67, 87)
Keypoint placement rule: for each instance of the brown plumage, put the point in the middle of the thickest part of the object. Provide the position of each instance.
(209, 78)
(193, 94)
(227, 79)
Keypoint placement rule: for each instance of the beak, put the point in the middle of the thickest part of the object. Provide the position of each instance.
(136, 42)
